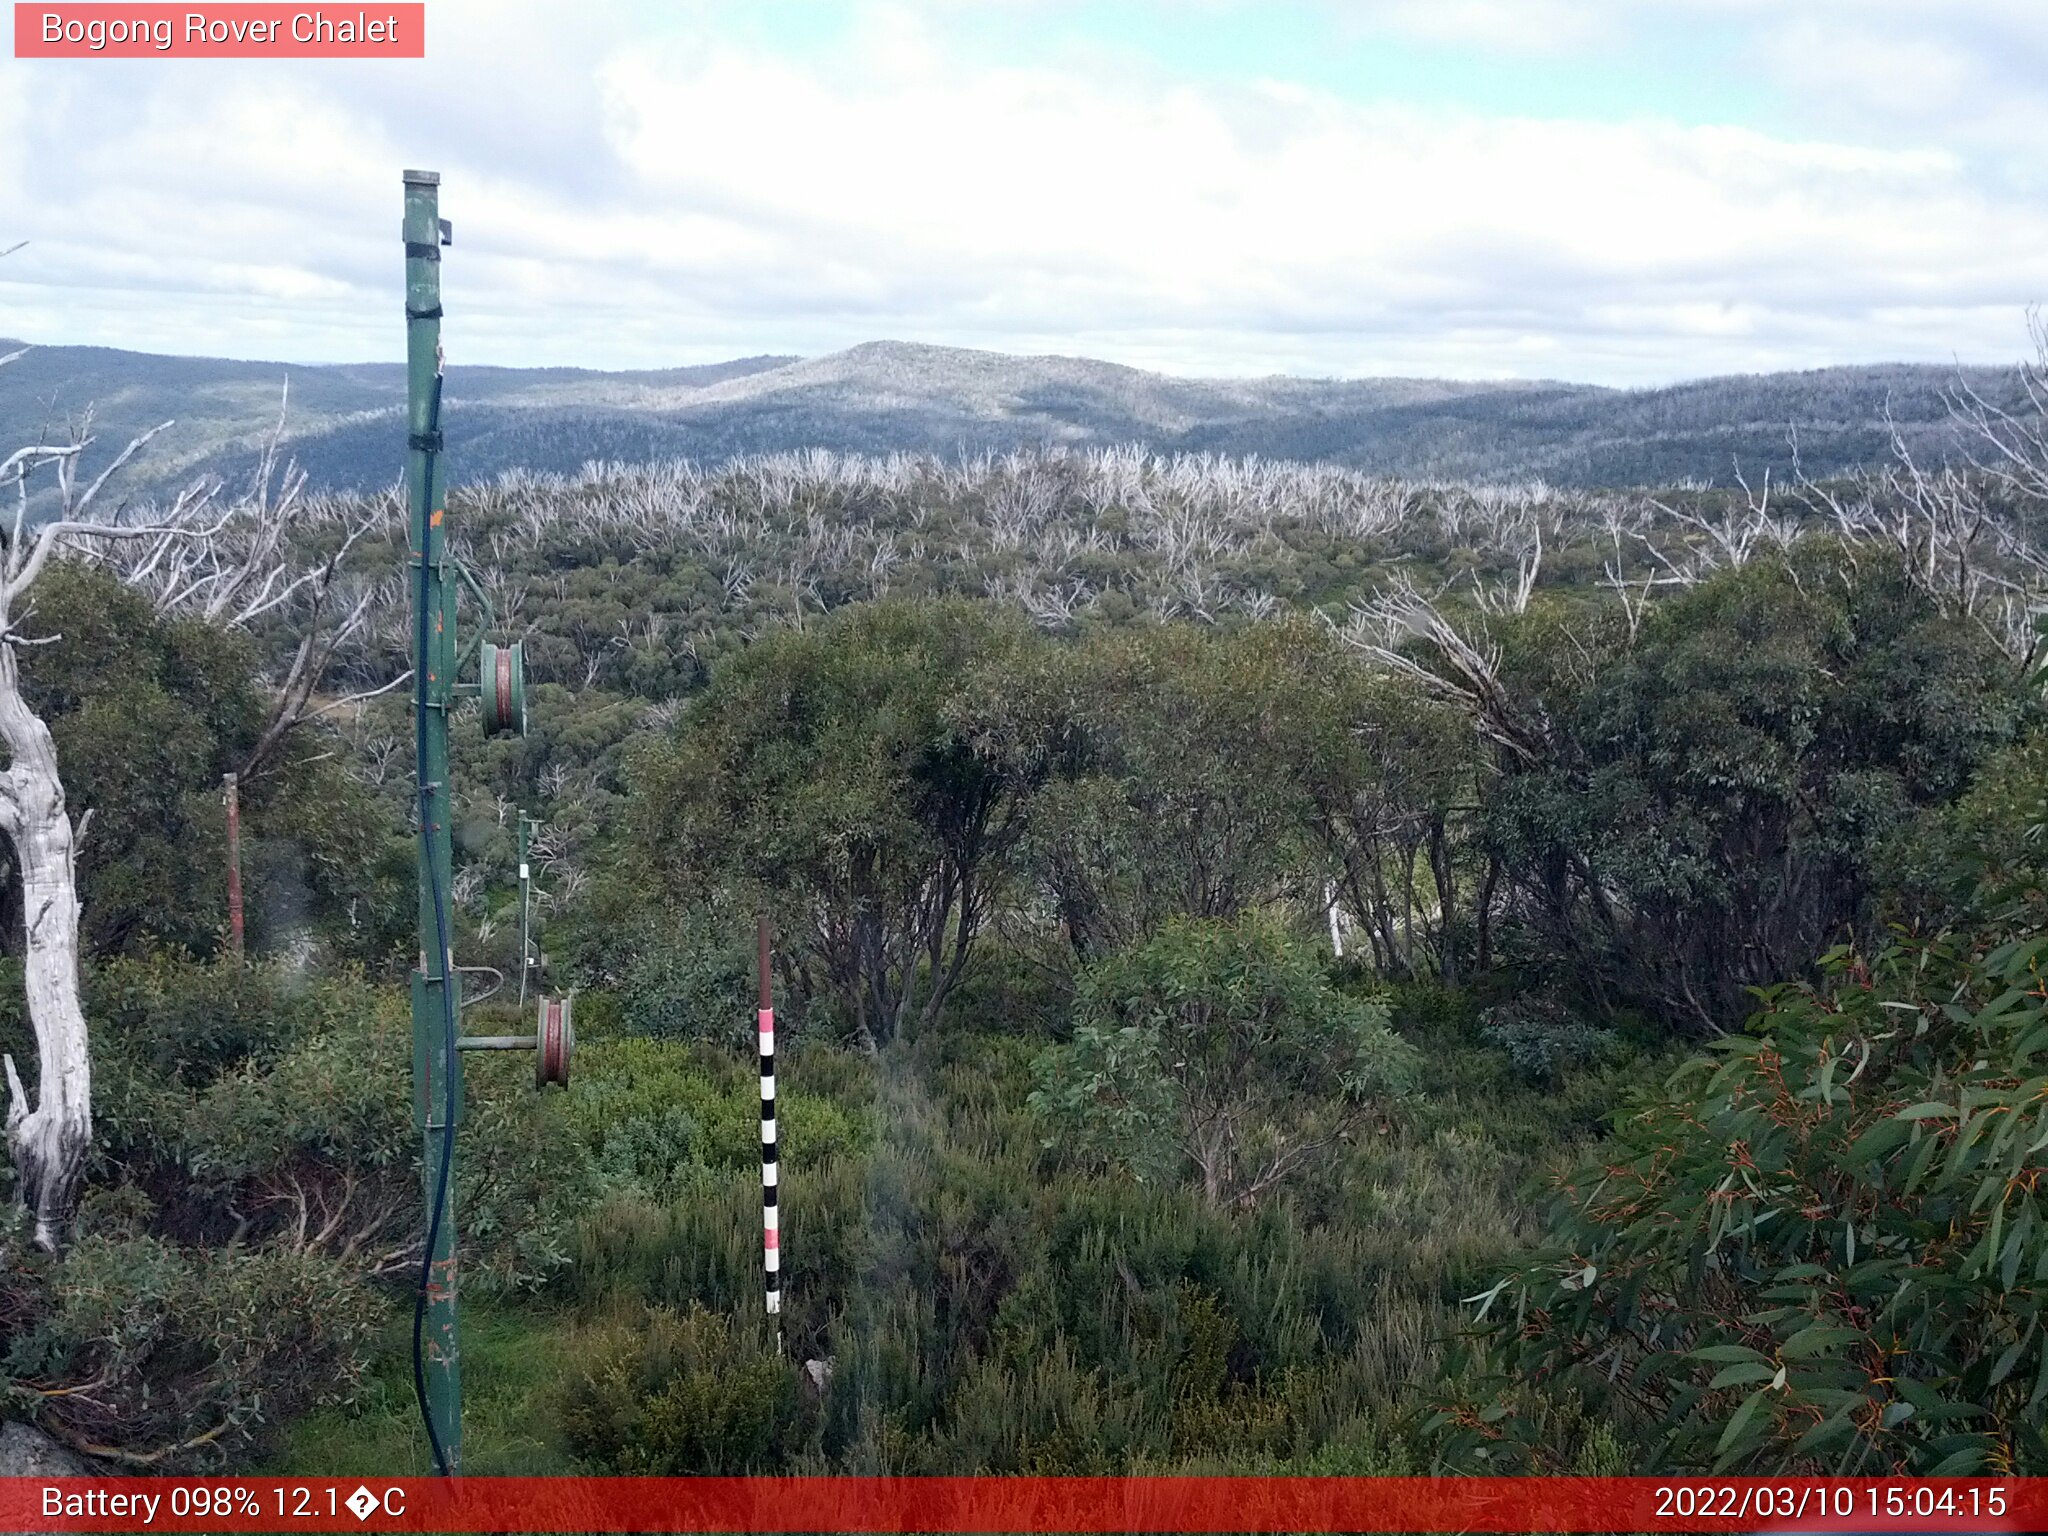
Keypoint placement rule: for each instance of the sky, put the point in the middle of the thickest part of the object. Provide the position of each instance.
(1615, 191)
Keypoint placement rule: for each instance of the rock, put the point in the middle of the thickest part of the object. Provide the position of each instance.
(27, 1452)
(819, 1374)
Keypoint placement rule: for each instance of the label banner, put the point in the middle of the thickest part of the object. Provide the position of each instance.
(239, 31)
(1020, 1504)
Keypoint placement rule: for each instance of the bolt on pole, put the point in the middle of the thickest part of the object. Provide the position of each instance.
(437, 1081)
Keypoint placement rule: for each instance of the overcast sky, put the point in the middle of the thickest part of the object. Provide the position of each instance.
(1622, 191)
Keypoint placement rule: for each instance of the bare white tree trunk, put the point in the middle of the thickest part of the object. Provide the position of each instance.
(230, 576)
(49, 1141)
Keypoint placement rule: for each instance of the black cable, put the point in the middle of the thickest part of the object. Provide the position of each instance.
(439, 901)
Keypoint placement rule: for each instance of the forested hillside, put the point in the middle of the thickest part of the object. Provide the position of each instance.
(1283, 969)
(887, 397)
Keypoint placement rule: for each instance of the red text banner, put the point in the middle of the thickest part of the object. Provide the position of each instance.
(1020, 1504)
(236, 31)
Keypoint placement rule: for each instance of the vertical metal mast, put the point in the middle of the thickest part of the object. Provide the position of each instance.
(437, 1082)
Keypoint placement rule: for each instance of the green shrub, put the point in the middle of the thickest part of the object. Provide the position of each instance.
(1812, 1253)
(190, 1357)
(672, 1394)
(694, 982)
(1544, 1039)
(190, 1022)
(1218, 1047)
(254, 1105)
(1002, 993)
(651, 1111)
(1719, 787)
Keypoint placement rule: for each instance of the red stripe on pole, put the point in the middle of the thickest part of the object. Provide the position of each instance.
(993, 1504)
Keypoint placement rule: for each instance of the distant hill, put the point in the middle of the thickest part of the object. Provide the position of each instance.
(345, 422)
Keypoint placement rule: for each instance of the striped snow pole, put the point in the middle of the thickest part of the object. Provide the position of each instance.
(771, 1229)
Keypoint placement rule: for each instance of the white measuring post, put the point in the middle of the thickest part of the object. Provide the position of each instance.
(771, 1224)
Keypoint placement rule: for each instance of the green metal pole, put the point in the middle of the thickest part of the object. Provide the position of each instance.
(437, 1081)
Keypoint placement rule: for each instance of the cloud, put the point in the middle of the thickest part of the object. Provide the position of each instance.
(639, 189)
(1892, 70)
(1507, 26)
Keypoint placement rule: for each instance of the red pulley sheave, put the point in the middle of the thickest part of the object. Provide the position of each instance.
(503, 690)
(555, 1042)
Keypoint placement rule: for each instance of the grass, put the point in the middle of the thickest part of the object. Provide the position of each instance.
(513, 1354)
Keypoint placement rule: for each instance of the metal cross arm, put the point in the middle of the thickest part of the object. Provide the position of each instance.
(553, 1042)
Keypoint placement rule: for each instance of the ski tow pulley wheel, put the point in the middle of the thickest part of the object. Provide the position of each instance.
(554, 1043)
(503, 669)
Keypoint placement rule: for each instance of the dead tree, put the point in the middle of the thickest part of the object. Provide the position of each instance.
(1964, 529)
(232, 568)
(49, 1138)
(276, 560)
(1462, 668)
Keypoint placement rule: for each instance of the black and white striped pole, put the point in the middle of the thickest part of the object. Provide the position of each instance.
(771, 1227)
(526, 957)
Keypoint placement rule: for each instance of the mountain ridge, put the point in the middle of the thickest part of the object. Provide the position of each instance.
(343, 422)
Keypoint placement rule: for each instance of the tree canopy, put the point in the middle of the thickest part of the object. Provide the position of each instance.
(1220, 1046)
(867, 777)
